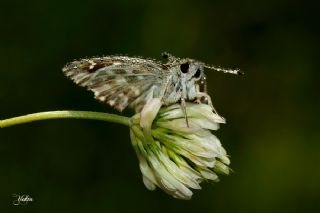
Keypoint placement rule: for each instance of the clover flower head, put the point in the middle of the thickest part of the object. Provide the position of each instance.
(173, 156)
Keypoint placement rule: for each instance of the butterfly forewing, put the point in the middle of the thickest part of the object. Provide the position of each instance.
(119, 81)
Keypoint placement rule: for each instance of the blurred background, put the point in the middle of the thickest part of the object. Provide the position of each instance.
(272, 130)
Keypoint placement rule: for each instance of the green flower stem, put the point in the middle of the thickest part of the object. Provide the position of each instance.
(65, 114)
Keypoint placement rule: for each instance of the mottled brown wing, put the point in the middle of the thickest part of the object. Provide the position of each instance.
(118, 81)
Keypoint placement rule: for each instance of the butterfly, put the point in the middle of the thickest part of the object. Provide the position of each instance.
(122, 81)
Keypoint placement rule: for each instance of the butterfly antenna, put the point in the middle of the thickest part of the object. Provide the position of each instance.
(168, 56)
(235, 72)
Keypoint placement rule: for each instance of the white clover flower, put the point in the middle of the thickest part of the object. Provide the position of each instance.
(174, 157)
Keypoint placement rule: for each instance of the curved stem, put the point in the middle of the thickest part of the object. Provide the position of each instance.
(63, 115)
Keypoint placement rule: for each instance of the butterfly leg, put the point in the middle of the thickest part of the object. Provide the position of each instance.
(184, 108)
(208, 99)
(201, 95)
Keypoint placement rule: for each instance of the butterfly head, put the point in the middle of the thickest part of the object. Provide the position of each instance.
(190, 69)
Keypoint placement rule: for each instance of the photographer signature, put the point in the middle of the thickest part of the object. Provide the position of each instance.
(21, 199)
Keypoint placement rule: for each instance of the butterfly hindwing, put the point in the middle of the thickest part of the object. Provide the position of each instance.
(119, 81)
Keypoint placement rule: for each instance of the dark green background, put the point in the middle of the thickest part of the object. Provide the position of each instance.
(272, 130)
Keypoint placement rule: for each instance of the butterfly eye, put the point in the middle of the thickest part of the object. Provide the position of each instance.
(198, 73)
(184, 67)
